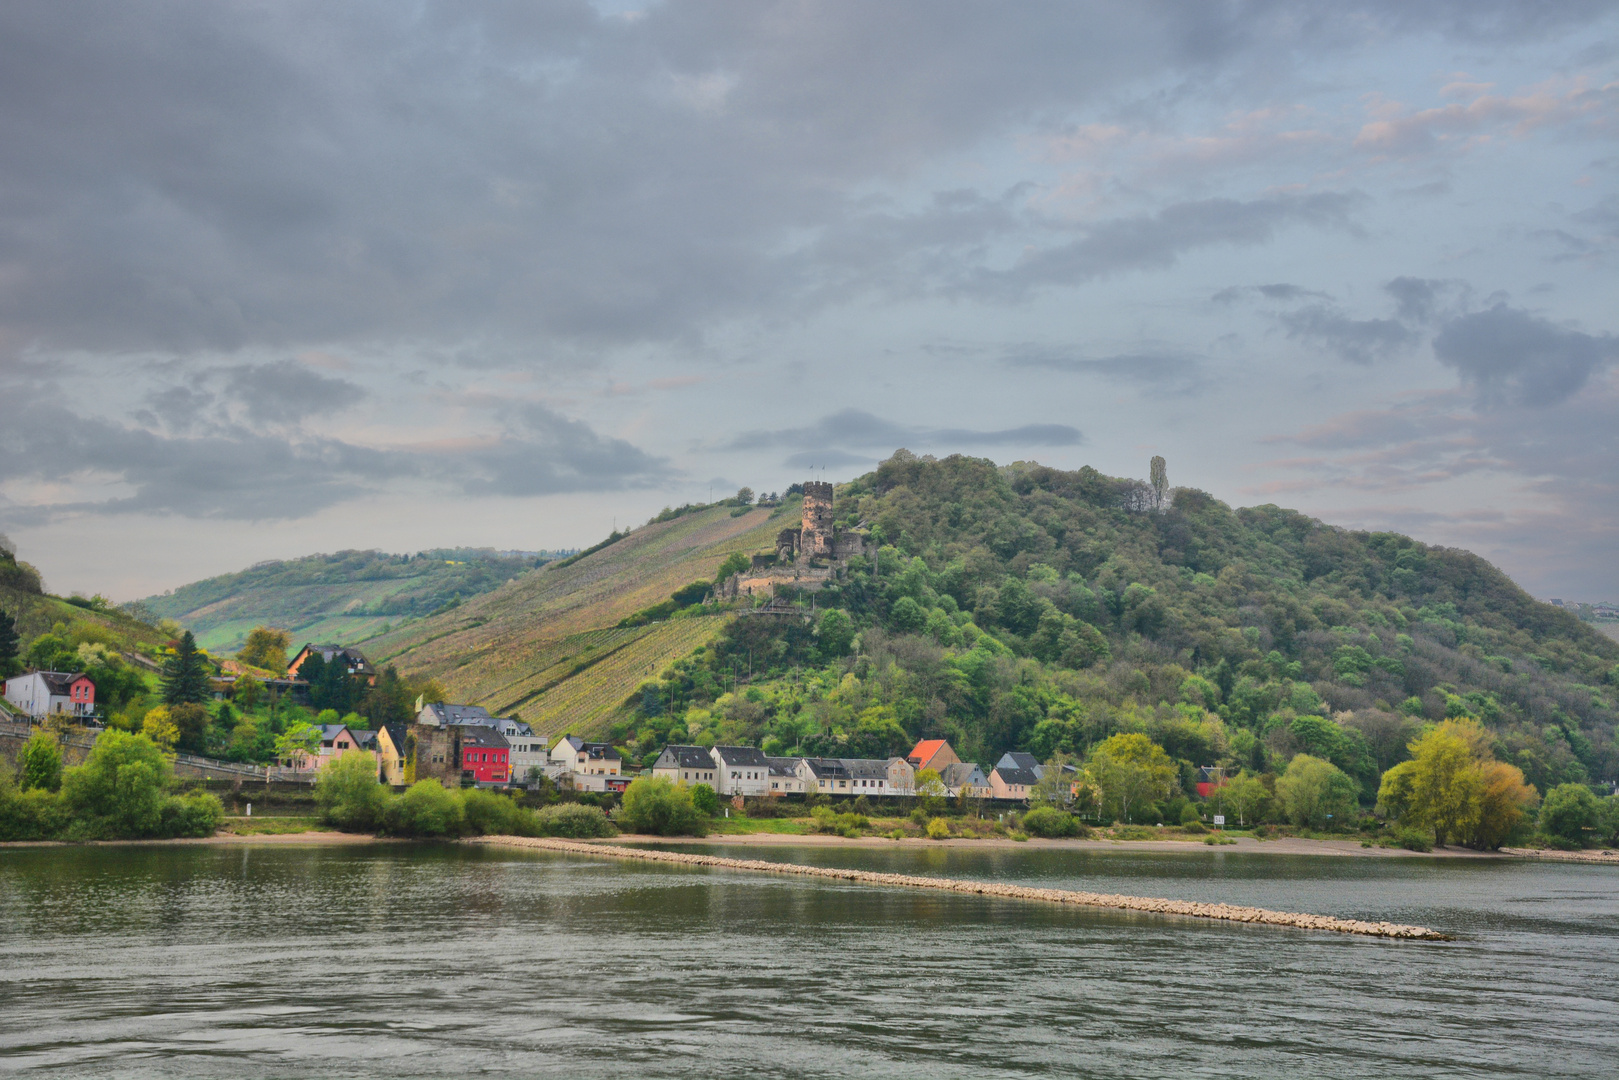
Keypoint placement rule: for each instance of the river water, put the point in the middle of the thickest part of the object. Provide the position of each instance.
(404, 961)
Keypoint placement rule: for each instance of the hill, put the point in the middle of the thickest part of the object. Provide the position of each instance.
(547, 645)
(345, 597)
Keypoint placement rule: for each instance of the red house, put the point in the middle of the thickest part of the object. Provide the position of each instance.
(485, 756)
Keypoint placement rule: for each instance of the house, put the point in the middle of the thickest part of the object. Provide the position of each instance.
(529, 752)
(826, 776)
(485, 755)
(880, 776)
(353, 661)
(583, 758)
(965, 778)
(932, 754)
(743, 770)
(1012, 781)
(686, 765)
(1209, 778)
(600, 782)
(392, 754)
(49, 693)
(784, 778)
(1015, 760)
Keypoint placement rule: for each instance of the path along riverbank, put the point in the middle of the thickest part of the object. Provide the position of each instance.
(1221, 912)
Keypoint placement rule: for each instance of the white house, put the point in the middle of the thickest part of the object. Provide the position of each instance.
(826, 776)
(784, 778)
(880, 776)
(690, 765)
(583, 758)
(743, 770)
(43, 693)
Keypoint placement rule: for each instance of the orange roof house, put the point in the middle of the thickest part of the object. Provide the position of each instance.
(932, 754)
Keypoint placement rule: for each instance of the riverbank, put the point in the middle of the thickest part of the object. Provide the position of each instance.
(1113, 901)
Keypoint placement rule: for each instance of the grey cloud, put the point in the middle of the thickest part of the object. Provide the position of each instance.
(1511, 356)
(831, 459)
(1157, 241)
(1161, 370)
(860, 429)
(1281, 291)
(1360, 341)
(287, 391)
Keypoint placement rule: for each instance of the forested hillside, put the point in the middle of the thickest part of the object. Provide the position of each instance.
(1028, 608)
(345, 597)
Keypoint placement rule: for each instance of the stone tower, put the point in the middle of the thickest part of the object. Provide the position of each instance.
(815, 539)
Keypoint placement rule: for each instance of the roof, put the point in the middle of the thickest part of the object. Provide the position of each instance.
(396, 735)
(749, 756)
(1026, 777)
(1015, 760)
(783, 766)
(598, 750)
(364, 737)
(474, 736)
(961, 772)
(59, 682)
(867, 768)
(826, 767)
(439, 712)
(684, 757)
(328, 732)
(923, 752)
(353, 657)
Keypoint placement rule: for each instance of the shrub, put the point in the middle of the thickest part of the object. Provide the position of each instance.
(1413, 839)
(705, 799)
(1190, 814)
(197, 814)
(1317, 793)
(348, 794)
(658, 807)
(1020, 837)
(1194, 827)
(426, 809)
(573, 820)
(496, 815)
(1049, 822)
(118, 792)
(30, 815)
(1571, 812)
(39, 763)
(938, 829)
(823, 819)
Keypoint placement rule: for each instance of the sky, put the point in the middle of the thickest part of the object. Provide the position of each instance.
(280, 278)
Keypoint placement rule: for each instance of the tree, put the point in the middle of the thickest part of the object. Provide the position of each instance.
(185, 676)
(705, 799)
(658, 807)
(1454, 785)
(8, 645)
(299, 737)
(1315, 792)
(1159, 474)
(191, 721)
(1246, 796)
(835, 631)
(388, 702)
(930, 785)
(744, 496)
(1129, 770)
(1571, 812)
(39, 763)
(734, 563)
(266, 648)
(160, 728)
(118, 791)
(247, 692)
(1055, 787)
(347, 792)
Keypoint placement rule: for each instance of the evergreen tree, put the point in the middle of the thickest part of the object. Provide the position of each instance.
(8, 644)
(185, 678)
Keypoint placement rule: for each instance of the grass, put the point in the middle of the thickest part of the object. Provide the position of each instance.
(741, 826)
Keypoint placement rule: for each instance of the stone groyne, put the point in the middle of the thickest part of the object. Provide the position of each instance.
(1223, 912)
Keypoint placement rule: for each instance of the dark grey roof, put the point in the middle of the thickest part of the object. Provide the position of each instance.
(827, 768)
(750, 756)
(866, 768)
(365, 738)
(353, 658)
(962, 772)
(1026, 777)
(683, 757)
(60, 683)
(783, 766)
(1015, 760)
(445, 713)
(483, 737)
(396, 735)
(601, 751)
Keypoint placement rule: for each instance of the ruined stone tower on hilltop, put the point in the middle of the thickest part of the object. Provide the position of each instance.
(806, 557)
(816, 532)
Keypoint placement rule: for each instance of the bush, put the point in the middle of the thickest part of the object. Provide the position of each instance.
(1190, 815)
(30, 815)
(705, 799)
(1194, 827)
(197, 814)
(348, 794)
(39, 763)
(496, 815)
(118, 792)
(426, 809)
(1571, 812)
(1413, 839)
(938, 829)
(1051, 823)
(658, 807)
(573, 820)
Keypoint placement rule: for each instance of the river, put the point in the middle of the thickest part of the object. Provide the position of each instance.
(402, 961)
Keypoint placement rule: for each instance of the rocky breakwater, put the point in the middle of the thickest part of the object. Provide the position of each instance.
(1223, 912)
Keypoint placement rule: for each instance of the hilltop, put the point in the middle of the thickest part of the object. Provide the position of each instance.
(346, 597)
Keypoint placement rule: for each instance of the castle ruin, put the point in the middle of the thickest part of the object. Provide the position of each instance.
(806, 557)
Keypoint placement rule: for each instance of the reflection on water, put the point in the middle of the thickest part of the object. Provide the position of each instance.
(445, 961)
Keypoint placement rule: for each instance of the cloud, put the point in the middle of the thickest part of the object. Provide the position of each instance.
(1511, 356)
(1360, 341)
(1162, 370)
(1280, 291)
(286, 392)
(820, 442)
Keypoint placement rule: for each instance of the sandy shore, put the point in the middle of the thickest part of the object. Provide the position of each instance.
(1114, 901)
